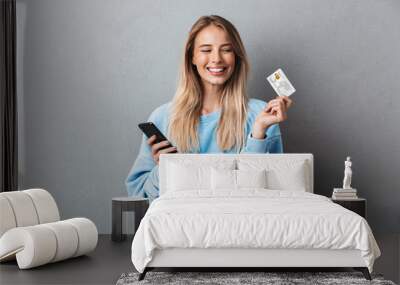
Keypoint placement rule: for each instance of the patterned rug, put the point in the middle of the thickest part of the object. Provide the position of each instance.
(243, 278)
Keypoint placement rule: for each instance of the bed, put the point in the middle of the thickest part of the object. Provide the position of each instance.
(247, 210)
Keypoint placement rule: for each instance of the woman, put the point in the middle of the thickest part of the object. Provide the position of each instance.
(210, 112)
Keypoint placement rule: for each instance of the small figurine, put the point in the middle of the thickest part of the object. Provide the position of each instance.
(347, 174)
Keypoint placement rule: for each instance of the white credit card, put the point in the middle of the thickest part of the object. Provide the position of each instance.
(281, 83)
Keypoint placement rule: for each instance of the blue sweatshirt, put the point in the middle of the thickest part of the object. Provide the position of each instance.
(142, 180)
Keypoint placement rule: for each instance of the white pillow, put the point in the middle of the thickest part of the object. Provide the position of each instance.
(281, 175)
(287, 178)
(183, 178)
(184, 175)
(223, 179)
(236, 179)
(251, 178)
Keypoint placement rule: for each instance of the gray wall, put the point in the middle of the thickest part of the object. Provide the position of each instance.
(89, 71)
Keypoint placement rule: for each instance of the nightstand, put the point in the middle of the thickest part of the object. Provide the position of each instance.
(126, 204)
(358, 206)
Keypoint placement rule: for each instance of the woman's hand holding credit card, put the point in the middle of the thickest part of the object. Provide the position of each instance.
(276, 109)
(282, 86)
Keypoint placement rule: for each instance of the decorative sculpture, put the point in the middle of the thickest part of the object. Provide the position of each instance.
(347, 174)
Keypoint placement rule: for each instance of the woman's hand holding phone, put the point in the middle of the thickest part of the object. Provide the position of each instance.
(156, 140)
(159, 148)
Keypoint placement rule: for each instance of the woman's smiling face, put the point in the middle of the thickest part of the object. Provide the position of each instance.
(213, 55)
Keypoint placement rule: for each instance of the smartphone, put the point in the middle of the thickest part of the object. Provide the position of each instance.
(149, 129)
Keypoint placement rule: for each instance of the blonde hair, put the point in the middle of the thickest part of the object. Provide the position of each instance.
(187, 103)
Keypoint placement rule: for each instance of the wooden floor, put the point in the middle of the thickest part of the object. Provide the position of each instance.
(111, 259)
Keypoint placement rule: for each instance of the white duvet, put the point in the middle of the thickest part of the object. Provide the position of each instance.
(252, 218)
